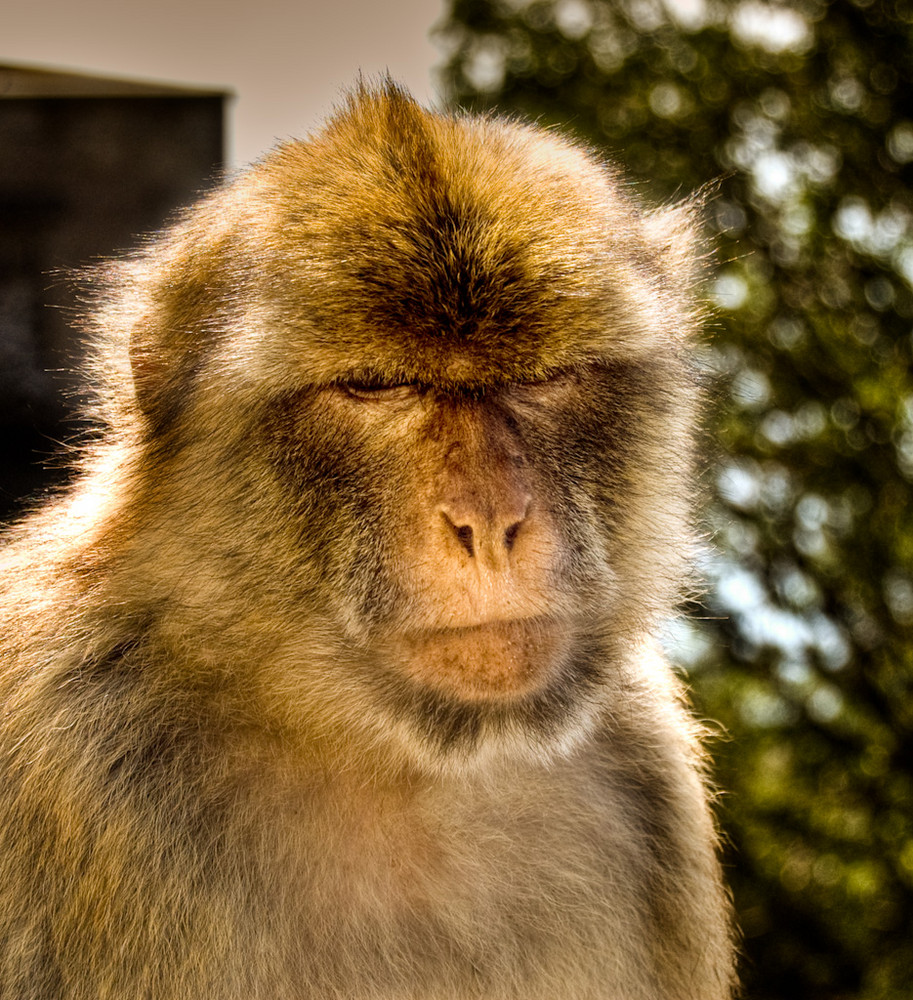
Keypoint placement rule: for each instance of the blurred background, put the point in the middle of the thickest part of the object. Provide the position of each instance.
(799, 115)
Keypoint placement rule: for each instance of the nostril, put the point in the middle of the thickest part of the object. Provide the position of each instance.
(464, 533)
(464, 536)
(510, 535)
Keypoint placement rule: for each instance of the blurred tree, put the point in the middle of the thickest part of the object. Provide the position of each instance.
(804, 108)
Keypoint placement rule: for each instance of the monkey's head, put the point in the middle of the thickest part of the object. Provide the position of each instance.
(415, 392)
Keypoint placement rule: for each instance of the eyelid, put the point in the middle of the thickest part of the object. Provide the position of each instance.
(377, 391)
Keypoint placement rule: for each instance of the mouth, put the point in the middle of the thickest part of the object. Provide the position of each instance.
(492, 661)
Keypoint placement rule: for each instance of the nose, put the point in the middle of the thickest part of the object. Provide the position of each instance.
(487, 528)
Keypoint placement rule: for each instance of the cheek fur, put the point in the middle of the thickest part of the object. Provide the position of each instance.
(339, 481)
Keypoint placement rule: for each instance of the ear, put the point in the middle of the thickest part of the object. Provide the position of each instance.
(177, 318)
(163, 362)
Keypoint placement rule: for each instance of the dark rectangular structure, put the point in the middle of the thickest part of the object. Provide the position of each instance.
(87, 165)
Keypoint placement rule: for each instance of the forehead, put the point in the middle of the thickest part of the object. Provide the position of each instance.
(437, 247)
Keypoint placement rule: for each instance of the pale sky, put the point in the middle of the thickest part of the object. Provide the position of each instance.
(287, 61)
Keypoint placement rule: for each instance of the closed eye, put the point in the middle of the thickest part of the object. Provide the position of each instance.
(377, 391)
(553, 383)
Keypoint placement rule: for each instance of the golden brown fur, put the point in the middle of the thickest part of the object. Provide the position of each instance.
(333, 676)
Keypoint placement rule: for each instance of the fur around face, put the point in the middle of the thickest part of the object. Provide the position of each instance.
(334, 673)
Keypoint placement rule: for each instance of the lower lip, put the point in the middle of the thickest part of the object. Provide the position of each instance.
(491, 662)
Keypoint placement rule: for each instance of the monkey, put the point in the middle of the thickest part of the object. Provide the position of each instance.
(335, 673)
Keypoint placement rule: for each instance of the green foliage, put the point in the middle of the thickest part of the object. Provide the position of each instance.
(803, 112)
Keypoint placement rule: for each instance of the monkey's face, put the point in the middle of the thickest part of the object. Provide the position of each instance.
(473, 539)
(453, 544)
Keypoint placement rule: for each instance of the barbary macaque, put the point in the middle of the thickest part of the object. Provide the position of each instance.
(334, 674)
